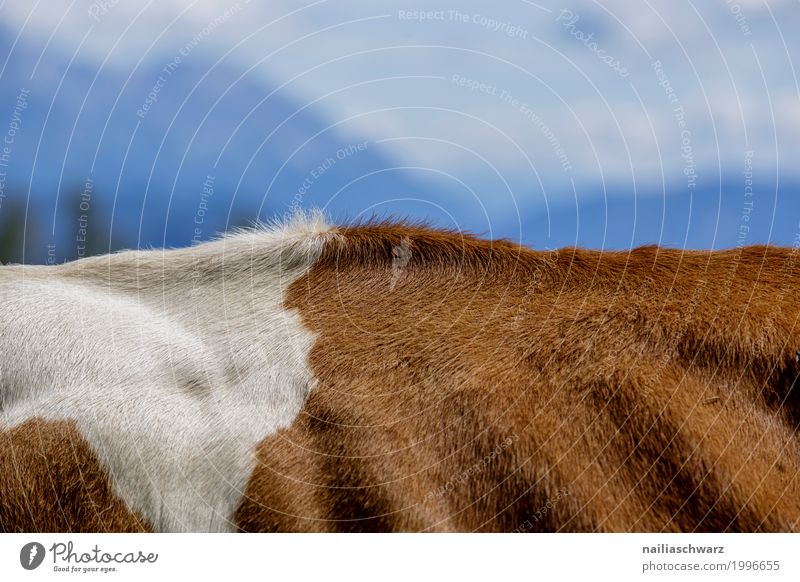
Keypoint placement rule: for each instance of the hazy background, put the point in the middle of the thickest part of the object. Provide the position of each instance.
(603, 124)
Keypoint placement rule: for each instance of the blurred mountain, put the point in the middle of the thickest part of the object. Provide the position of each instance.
(168, 152)
(174, 151)
(710, 216)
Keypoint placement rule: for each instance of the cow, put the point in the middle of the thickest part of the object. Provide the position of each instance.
(391, 376)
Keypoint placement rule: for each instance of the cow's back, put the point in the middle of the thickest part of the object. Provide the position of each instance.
(396, 378)
(486, 387)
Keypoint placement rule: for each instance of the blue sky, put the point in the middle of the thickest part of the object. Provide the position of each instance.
(604, 124)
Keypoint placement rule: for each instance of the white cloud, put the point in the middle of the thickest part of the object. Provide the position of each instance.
(337, 31)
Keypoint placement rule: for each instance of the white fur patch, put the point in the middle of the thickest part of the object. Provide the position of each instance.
(175, 364)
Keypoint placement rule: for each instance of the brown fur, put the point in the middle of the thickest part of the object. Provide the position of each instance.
(51, 482)
(487, 387)
(468, 385)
